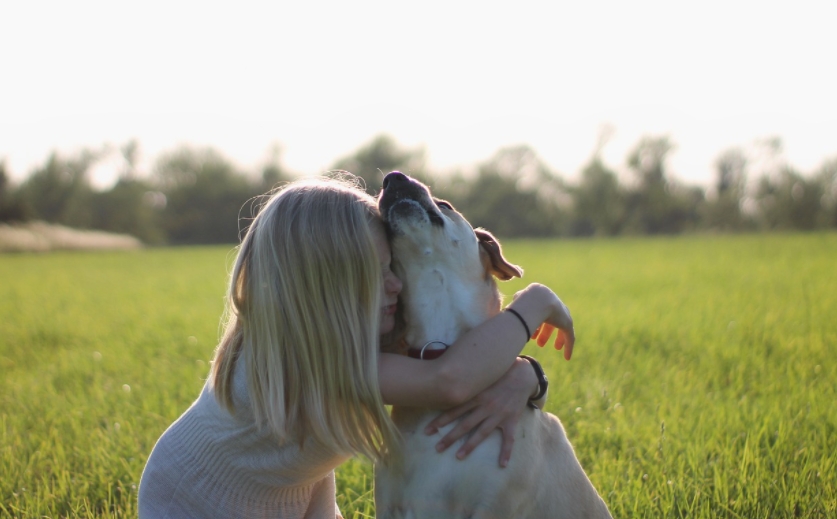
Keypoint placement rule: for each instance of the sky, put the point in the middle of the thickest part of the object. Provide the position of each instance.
(460, 79)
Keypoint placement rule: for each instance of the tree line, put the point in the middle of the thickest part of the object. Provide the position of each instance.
(197, 196)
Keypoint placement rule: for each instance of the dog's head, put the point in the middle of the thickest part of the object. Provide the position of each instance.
(447, 267)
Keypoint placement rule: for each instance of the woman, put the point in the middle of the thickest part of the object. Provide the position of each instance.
(298, 384)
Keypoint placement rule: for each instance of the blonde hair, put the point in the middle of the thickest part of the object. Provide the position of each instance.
(303, 312)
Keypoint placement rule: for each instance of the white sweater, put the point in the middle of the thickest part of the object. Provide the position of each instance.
(211, 464)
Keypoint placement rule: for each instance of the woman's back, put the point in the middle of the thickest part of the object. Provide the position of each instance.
(210, 463)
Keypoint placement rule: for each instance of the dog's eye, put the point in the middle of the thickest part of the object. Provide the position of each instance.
(442, 203)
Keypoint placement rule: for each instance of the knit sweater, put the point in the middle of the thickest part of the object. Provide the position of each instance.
(210, 463)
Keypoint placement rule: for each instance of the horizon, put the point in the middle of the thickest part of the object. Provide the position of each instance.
(462, 81)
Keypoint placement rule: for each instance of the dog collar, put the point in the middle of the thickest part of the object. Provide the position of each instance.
(424, 354)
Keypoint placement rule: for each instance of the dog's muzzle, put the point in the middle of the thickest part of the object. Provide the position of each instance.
(405, 199)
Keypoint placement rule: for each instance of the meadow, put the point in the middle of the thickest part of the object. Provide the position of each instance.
(703, 382)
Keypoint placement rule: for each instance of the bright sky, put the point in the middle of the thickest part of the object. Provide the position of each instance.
(461, 79)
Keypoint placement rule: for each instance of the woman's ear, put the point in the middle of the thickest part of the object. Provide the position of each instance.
(493, 260)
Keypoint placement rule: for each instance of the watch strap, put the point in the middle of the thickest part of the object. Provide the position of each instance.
(543, 382)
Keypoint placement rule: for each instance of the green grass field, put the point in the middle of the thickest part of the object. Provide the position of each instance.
(702, 384)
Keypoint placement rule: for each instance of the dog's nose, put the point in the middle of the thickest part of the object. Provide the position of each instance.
(394, 177)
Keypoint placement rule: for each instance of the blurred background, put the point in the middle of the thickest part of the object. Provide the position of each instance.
(163, 120)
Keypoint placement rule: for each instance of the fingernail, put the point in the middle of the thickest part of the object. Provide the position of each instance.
(440, 447)
(430, 430)
(460, 455)
(504, 463)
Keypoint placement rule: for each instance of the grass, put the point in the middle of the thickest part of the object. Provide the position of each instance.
(702, 383)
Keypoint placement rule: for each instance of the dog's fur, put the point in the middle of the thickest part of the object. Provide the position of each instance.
(448, 270)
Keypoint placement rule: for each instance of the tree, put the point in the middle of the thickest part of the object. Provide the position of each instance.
(789, 201)
(374, 160)
(598, 201)
(659, 205)
(204, 196)
(273, 173)
(784, 199)
(59, 191)
(131, 206)
(826, 177)
(724, 211)
(11, 209)
(130, 152)
(515, 194)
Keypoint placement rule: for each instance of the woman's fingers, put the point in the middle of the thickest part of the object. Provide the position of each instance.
(508, 441)
(564, 338)
(542, 334)
(567, 339)
(465, 426)
(485, 429)
(449, 416)
(478, 435)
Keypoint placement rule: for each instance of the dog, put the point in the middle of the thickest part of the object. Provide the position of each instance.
(448, 270)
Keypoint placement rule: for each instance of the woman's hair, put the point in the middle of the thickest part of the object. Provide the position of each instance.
(303, 311)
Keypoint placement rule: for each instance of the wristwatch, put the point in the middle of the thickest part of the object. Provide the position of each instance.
(543, 382)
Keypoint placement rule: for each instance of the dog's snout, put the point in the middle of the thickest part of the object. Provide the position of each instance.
(395, 177)
(409, 195)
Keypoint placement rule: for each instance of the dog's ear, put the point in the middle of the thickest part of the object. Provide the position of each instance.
(492, 257)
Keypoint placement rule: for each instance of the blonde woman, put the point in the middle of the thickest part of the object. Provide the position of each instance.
(298, 384)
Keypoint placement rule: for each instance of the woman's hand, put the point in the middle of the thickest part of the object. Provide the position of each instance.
(497, 407)
(539, 300)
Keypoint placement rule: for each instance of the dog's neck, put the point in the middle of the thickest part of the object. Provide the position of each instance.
(441, 306)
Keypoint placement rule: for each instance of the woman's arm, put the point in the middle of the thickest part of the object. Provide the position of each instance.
(477, 359)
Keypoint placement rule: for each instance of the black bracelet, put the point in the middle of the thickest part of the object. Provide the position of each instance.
(543, 382)
(522, 321)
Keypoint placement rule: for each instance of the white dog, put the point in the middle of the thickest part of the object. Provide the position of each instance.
(447, 267)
